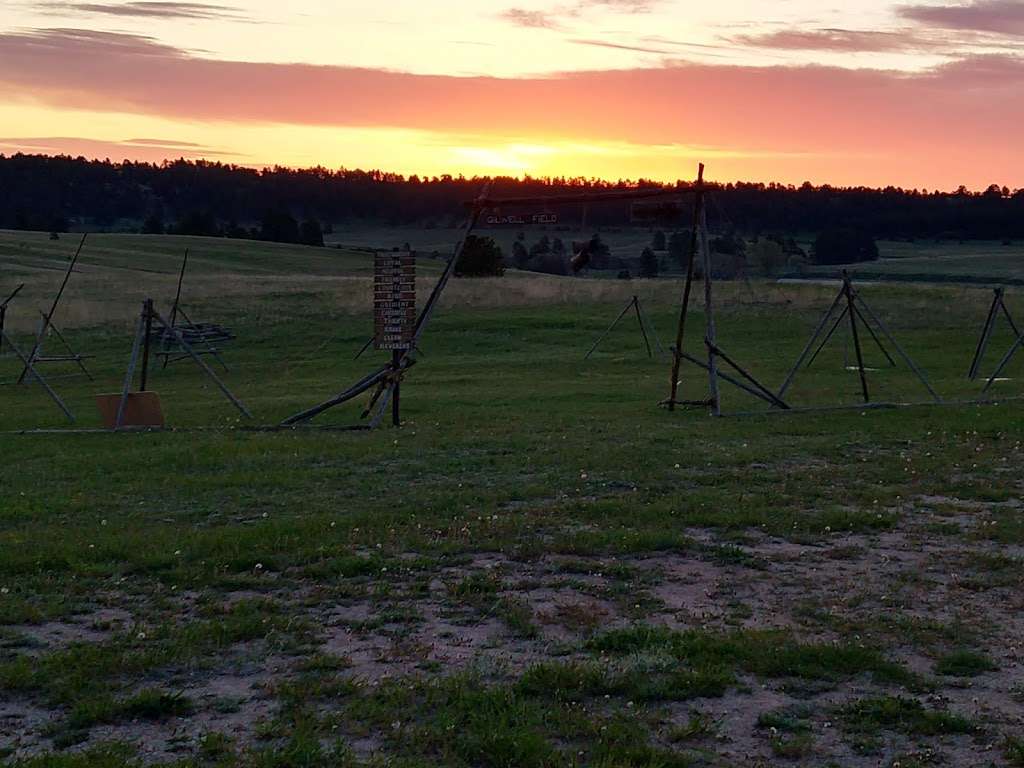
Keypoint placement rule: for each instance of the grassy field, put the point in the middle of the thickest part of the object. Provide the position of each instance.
(541, 568)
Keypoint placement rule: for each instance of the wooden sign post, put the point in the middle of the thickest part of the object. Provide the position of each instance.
(394, 313)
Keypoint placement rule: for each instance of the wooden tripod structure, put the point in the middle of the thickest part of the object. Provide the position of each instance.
(998, 304)
(141, 348)
(47, 325)
(203, 335)
(742, 379)
(646, 329)
(855, 309)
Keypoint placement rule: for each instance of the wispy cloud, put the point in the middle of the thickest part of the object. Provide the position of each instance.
(556, 17)
(152, 150)
(624, 46)
(150, 10)
(999, 16)
(530, 19)
(839, 40)
(621, 6)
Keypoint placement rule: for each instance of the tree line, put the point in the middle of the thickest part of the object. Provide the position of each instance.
(199, 197)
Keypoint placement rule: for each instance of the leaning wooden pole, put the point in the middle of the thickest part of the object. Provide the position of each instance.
(807, 348)
(711, 334)
(677, 351)
(986, 334)
(403, 361)
(48, 318)
(3, 312)
(643, 330)
(133, 360)
(611, 327)
(896, 345)
(177, 294)
(1019, 343)
(38, 376)
(206, 369)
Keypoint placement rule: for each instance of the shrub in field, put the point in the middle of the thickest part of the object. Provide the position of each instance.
(844, 246)
(648, 263)
(310, 233)
(769, 256)
(679, 248)
(480, 257)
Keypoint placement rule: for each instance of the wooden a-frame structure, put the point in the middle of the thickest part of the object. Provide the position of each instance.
(47, 325)
(859, 313)
(998, 304)
(144, 333)
(646, 329)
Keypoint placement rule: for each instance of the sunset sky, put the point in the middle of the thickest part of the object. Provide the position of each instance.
(917, 94)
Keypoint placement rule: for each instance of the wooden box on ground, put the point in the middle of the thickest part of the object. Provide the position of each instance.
(143, 409)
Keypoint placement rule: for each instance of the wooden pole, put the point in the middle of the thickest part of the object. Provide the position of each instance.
(1003, 363)
(906, 358)
(986, 334)
(765, 394)
(207, 369)
(711, 335)
(404, 359)
(129, 375)
(856, 337)
(677, 352)
(148, 314)
(396, 364)
(74, 356)
(1006, 312)
(611, 327)
(38, 376)
(807, 348)
(177, 295)
(874, 337)
(651, 332)
(643, 330)
(3, 312)
(830, 334)
(53, 307)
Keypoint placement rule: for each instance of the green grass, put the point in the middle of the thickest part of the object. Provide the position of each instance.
(870, 716)
(542, 507)
(964, 663)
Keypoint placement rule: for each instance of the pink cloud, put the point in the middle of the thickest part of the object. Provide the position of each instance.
(999, 16)
(530, 19)
(151, 10)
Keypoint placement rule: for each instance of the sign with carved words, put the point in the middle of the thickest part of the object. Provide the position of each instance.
(394, 300)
